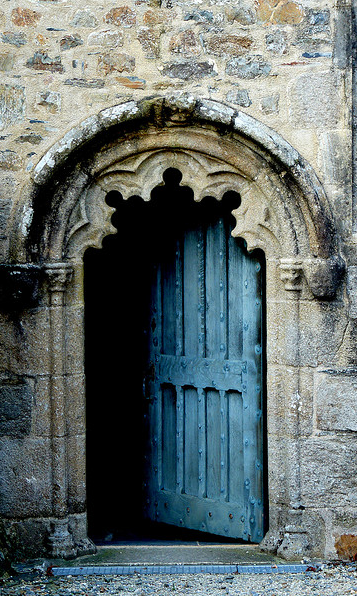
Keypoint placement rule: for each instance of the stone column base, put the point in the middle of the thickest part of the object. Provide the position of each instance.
(47, 537)
(60, 541)
(296, 540)
(64, 545)
(271, 542)
(295, 544)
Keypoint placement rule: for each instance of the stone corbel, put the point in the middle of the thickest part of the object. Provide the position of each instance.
(19, 286)
(324, 275)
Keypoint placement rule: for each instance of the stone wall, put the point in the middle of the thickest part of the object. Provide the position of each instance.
(286, 64)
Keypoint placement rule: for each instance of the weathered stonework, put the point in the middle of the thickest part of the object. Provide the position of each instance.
(12, 104)
(25, 17)
(84, 18)
(50, 100)
(275, 13)
(252, 97)
(108, 63)
(9, 160)
(14, 39)
(106, 38)
(41, 61)
(121, 16)
(251, 67)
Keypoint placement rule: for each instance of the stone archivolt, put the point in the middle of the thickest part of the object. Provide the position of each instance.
(275, 215)
(242, 155)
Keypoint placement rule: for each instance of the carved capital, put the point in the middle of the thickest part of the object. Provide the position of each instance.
(58, 275)
(291, 274)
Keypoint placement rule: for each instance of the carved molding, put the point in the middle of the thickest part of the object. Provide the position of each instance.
(90, 220)
(89, 223)
(255, 220)
(173, 124)
(283, 209)
(261, 220)
(138, 175)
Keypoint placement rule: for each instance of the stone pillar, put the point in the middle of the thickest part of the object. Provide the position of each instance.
(61, 541)
(295, 540)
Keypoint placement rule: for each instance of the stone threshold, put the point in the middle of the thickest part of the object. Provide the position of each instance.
(180, 569)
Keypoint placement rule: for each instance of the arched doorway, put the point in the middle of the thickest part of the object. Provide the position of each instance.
(284, 212)
(174, 371)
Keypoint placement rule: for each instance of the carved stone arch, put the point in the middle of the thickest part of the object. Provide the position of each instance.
(283, 211)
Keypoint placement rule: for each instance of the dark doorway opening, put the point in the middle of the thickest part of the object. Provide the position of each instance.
(117, 297)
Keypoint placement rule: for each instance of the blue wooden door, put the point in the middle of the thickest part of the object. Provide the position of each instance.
(203, 385)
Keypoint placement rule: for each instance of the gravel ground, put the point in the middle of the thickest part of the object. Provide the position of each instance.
(330, 580)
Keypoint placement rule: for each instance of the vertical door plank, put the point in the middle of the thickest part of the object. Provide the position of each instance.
(180, 406)
(191, 294)
(179, 299)
(258, 350)
(235, 447)
(223, 303)
(202, 443)
(201, 281)
(193, 276)
(169, 453)
(157, 438)
(235, 293)
(224, 445)
(191, 442)
(251, 397)
(236, 476)
(216, 311)
(179, 435)
(168, 281)
(213, 445)
(201, 351)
